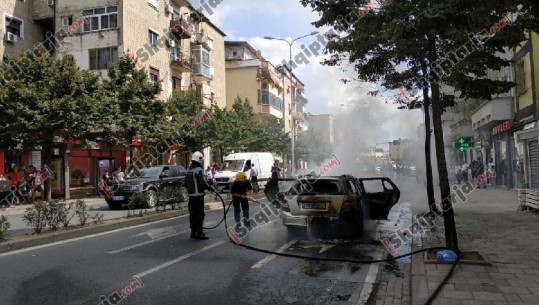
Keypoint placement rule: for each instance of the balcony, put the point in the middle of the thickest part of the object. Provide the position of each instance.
(462, 129)
(496, 110)
(267, 98)
(43, 10)
(266, 109)
(181, 28)
(180, 62)
(297, 115)
(203, 70)
(199, 39)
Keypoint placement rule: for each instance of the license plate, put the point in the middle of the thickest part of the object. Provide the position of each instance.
(314, 206)
(117, 198)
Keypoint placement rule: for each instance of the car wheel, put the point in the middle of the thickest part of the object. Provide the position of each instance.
(114, 205)
(152, 199)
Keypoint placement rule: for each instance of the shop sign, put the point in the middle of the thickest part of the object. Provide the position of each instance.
(503, 127)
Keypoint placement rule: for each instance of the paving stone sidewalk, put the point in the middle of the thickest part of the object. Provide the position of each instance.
(488, 222)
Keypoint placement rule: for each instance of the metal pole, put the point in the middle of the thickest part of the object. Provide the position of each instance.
(293, 169)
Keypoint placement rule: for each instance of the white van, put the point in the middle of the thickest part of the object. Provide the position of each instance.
(242, 162)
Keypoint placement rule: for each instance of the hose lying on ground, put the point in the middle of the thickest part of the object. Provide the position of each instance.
(343, 260)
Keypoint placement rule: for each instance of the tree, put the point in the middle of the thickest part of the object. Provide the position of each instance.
(134, 104)
(423, 44)
(49, 100)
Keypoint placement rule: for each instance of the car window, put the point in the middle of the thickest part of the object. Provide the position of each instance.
(173, 171)
(373, 186)
(318, 187)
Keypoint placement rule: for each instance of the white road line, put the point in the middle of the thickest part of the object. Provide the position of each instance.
(147, 242)
(269, 258)
(86, 237)
(179, 259)
(370, 280)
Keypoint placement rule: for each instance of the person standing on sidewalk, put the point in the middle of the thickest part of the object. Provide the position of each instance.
(242, 192)
(254, 178)
(464, 172)
(196, 185)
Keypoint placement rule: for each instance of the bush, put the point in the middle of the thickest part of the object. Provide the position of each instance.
(4, 227)
(81, 209)
(97, 218)
(136, 200)
(36, 216)
(172, 195)
(56, 214)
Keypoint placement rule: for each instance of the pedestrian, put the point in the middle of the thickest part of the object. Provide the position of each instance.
(119, 175)
(275, 171)
(492, 171)
(458, 173)
(464, 172)
(209, 176)
(15, 176)
(196, 185)
(254, 178)
(242, 192)
(30, 178)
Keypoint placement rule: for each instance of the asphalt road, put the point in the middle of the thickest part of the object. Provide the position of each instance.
(161, 265)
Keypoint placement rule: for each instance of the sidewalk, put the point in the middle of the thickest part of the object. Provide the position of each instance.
(488, 222)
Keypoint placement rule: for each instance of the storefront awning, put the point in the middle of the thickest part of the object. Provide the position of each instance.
(530, 130)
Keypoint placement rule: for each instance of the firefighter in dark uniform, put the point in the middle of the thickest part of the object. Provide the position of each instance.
(242, 192)
(196, 185)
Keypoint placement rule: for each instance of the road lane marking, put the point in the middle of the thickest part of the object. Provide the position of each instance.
(370, 280)
(147, 242)
(87, 237)
(177, 260)
(269, 258)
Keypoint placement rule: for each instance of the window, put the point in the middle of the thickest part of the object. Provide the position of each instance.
(154, 75)
(67, 21)
(153, 3)
(100, 59)
(101, 18)
(201, 61)
(14, 26)
(520, 77)
(210, 43)
(176, 84)
(153, 38)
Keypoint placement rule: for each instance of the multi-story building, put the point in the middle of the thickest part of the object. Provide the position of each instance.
(250, 76)
(323, 125)
(524, 164)
(174, 43)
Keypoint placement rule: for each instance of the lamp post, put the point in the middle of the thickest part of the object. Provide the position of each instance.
(290, 43)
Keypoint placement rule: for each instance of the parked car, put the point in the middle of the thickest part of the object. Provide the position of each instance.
(335, 206)
(150, 180)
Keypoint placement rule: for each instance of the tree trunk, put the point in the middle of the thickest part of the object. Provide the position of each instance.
(445, 190)
(428, 163)
(47, 147)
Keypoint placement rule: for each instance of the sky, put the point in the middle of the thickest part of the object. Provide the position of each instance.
(251, 20)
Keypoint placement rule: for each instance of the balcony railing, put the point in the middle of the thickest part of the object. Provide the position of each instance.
(180, 62)
(204, 70)
(181, 28)
(267, 98)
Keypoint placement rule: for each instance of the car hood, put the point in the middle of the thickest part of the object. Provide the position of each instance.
(138, 181)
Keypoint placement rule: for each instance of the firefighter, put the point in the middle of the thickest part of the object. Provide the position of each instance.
(196, 185)
(242, 192)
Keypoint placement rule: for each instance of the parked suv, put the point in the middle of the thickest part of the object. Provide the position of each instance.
(333, 206)
(149, 180)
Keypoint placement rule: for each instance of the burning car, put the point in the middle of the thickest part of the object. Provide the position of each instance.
(333, 206)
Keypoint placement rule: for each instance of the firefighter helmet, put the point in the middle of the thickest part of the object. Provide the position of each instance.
(240, 176)
(197, 156)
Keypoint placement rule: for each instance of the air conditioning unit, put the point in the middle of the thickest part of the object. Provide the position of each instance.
(171, 43)
(169, 9)
(50, 2)
(11, 37)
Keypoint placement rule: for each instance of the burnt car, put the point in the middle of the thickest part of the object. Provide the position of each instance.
(150, 180)
(333, 206)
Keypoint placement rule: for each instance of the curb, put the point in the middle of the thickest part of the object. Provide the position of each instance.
(27, 241)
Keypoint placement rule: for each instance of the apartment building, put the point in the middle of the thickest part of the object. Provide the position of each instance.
(324, 125)
(172, 41)
(250, 76)
(294, 100)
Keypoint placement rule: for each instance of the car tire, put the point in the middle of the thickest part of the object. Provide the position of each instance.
(114, 205)
(152, 199)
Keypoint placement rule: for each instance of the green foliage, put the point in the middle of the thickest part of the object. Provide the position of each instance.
(36, 216)
(4, 228)
(56, 215)
(133, 103)
(81, 210)
(45, 98)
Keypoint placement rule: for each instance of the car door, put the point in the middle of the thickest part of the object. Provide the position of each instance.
(166, 178)
(378, 196)
(180, 178)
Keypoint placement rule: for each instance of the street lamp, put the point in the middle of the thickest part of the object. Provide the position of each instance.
(290, 43)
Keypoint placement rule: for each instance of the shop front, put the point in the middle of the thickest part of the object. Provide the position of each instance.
(502, 153)
(527, 149)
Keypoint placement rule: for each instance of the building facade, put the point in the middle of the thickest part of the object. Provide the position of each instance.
(170, 40)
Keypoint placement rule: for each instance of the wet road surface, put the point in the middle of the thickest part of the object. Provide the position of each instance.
(159, 264)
